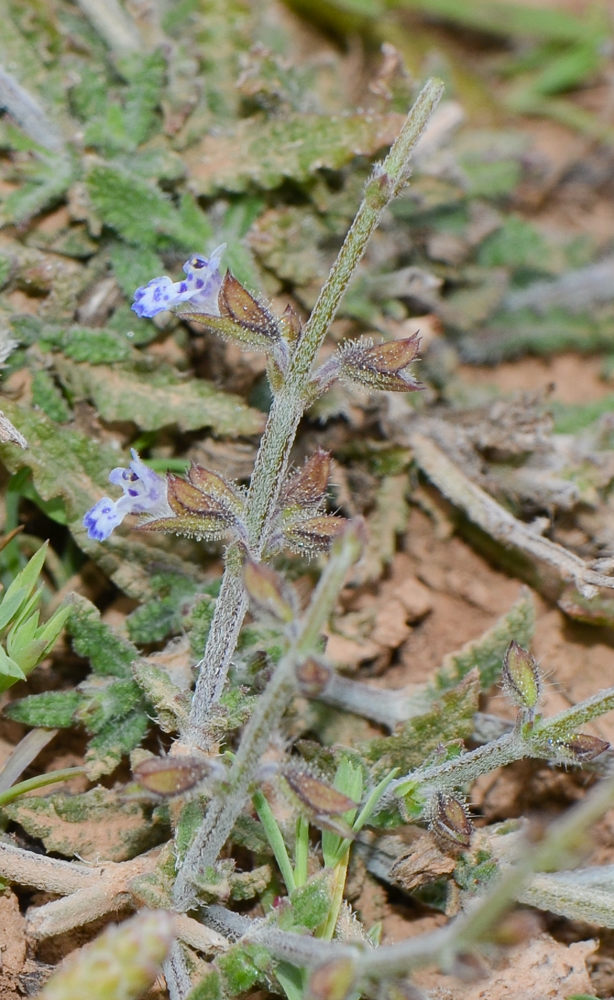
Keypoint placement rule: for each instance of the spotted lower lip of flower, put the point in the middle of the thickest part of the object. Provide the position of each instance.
(144, 492)
(200, 288)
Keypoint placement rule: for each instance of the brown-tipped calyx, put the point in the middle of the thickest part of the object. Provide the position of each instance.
(380, 366)
(242, 318)
(203, 506)
(320, 797)
(520, 678)
(307, 487)
(580, 748)
(313, 534)
(291, 325)
(168, 777)
(450, 823)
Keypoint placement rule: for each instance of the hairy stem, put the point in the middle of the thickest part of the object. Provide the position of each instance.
(395, 961)
(540, 742)
(288, 406)
(225, 807)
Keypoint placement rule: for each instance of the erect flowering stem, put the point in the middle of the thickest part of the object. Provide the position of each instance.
(224, 808)
(288, 406)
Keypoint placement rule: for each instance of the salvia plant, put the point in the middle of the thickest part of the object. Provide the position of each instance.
(227, 783)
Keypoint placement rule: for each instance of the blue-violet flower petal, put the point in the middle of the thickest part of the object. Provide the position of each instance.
(144, 492)
(200, 288)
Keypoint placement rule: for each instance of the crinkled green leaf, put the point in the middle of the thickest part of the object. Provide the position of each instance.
(108, 702)
(142, 214)
(159, 399)
(109, 654)
(450, 718)
(51, 709)
(265, 153)
(487, 652)
(48, 397)
(113, 742)
(99, 347)
(97, 825)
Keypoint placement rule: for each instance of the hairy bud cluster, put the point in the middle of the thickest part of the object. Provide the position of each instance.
(302, 524)
(380, 366)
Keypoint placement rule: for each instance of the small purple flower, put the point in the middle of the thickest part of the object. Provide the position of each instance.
(200, 287)
(145, 492)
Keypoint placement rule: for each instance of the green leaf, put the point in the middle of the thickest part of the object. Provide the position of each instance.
(99, 347)
(10, 672)
(141, 214)
(49, 631)
(311, 902)
(46, 394)
(487, 652)
(160, 399)
(108, 702)
(113, 742)
(97, 825)
(265, 153)
(210, 987)
(517, 244)
(52, 177)
(238, 970)
(449, 719)
(10, 605)
(146, 74)
(170, 702)
(109, 654)
(51, 709)
(27, 578)
(515, 19)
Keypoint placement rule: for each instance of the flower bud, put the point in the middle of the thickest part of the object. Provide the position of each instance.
(450, 823)
(122, 962)
(578, 749)
(520, 678)
(170, 776)
(333, 980)
(313, 677)
(268, 590)
(321, 798)
(291, 325)
(380, 366)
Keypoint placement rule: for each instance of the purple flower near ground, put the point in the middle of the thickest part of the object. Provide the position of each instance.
(200, 287)
(145, 492)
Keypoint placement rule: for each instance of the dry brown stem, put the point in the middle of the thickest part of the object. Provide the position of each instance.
(498, 522)
(91, 892)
